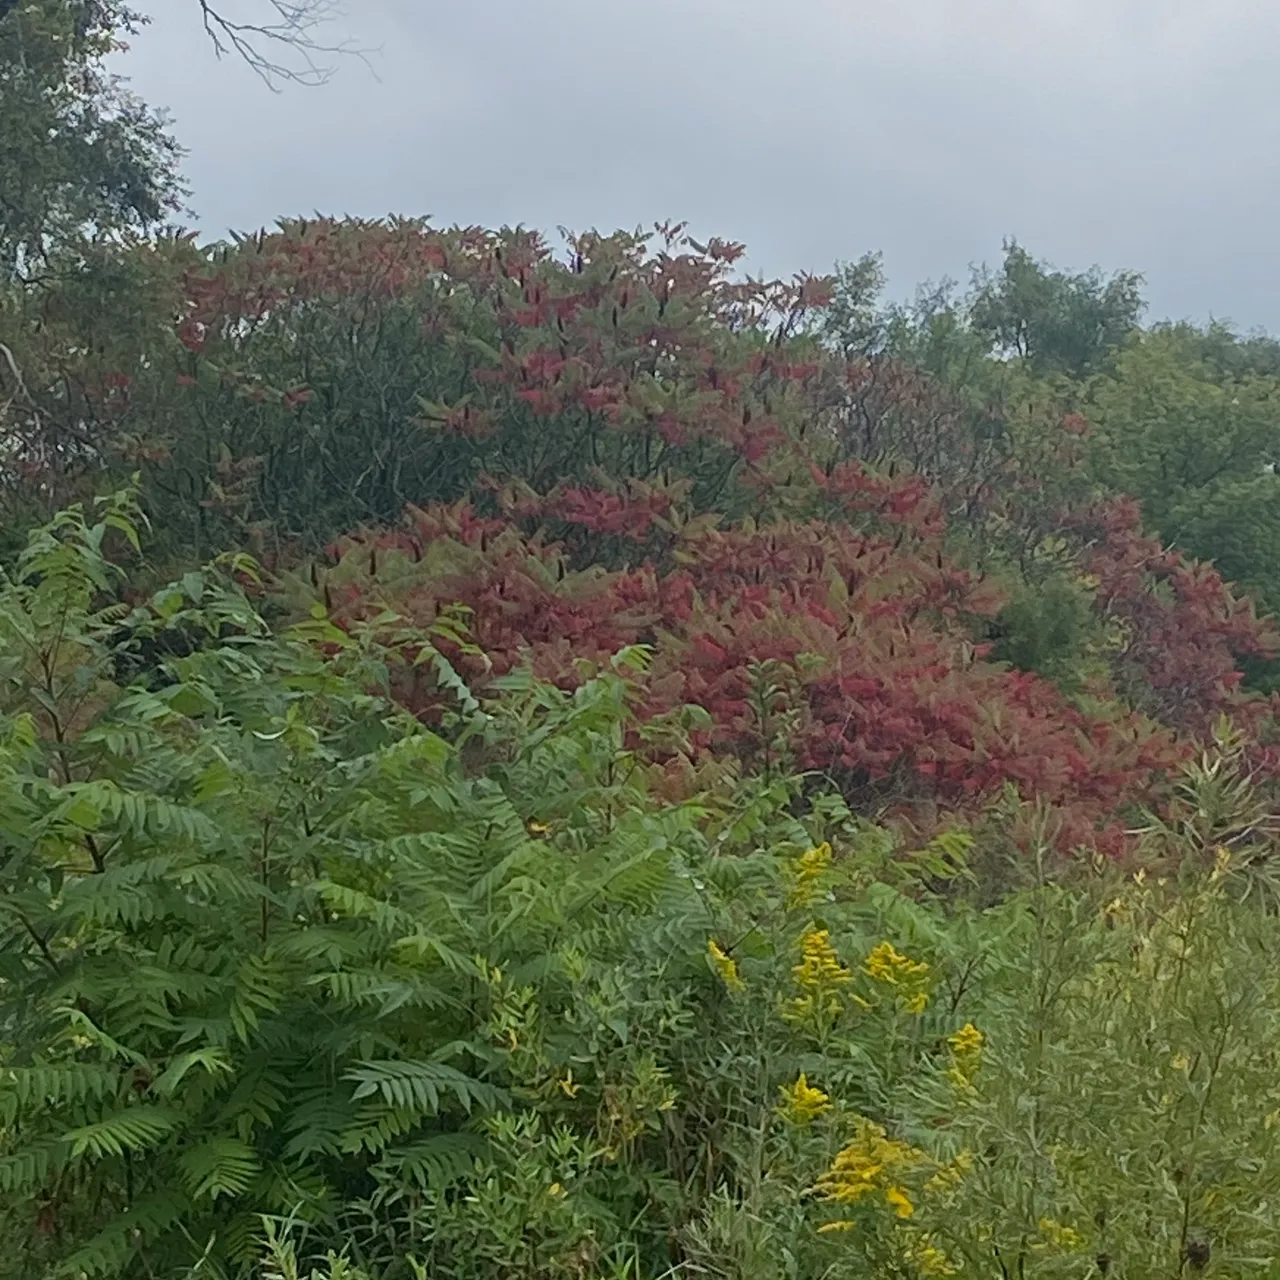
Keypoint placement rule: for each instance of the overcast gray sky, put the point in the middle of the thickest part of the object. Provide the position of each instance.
(1128, 133)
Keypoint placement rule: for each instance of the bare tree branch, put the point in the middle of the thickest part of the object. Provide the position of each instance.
(291, 27)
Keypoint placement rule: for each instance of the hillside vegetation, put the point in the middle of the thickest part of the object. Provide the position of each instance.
(561, 760)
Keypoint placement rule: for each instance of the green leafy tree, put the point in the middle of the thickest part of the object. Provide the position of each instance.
(1197, 445)
(79, 154)
(1060, 323)
(1222, 350)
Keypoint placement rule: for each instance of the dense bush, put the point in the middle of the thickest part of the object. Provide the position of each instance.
(805, 643)
(479, 1000)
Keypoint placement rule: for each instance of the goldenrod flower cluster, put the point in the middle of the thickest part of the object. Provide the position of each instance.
(806, 875)
(1057, 1237)
(820, 976)
(871, 1164)
(967, 1042)
(887, 965)
(819, 965)
(802, 1103)
(966, 1054)
(725, 966)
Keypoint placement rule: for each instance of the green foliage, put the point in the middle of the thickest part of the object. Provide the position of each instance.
(293, 985)
(244, 903)
(1198, 449)
(1121, 1114)
(1222, 350)
(78, 153)
(1059, 323)
(270, 946)
(1048, 627)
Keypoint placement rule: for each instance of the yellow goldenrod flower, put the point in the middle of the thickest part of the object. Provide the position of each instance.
(908, 978)
(819, 965)
(725, 966)
(933, 1262)
(1056, 1236)
(806, 873)
(887, 964)
(966, 1042)
(802, 1103)
(901, 1202)
(820, 977)
(868, 1163)
(816, 861)
(966, 1052)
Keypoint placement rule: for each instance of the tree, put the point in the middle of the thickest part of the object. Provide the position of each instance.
(79, 154)
(1224, 352)
(1196, 443)
(1057, 322)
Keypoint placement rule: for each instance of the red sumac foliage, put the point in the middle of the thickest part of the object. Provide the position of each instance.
(1183, 633)
(890, 697)
(411, 360)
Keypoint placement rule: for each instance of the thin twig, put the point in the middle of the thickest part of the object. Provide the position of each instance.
(292, 25)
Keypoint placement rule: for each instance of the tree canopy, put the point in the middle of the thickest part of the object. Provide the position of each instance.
(79, 154)
(1056, 321)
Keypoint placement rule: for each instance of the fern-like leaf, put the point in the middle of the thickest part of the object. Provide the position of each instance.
(418, 1086)
(129, 1129)
(220, 1167)
(437, 1162)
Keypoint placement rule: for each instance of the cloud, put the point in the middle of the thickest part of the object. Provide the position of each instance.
(1124, 132)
